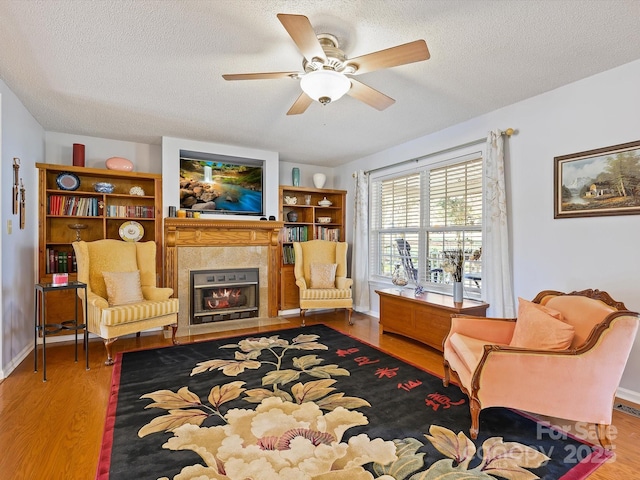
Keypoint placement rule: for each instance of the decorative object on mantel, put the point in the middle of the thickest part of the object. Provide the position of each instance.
(16, 175)
(325, 203)
(119, 163)
(319, 179)
(104, 187)
(78, 155)
(295, 177)
(136, 190)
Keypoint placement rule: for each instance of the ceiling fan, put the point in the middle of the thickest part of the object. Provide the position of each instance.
(326, 67)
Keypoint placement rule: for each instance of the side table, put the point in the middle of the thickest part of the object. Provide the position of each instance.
(50, 328)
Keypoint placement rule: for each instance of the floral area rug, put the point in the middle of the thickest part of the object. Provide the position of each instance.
(313, 403)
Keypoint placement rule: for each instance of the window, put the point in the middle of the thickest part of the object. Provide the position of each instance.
(426, 219)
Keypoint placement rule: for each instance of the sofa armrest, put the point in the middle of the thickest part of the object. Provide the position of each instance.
(96, 300)
(493, 330)
(343, 282)
(301, 283)
(156, 293)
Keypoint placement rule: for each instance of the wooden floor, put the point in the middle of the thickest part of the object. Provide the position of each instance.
(53, 430)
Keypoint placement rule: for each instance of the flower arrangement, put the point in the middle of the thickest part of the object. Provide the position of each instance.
(454, 263)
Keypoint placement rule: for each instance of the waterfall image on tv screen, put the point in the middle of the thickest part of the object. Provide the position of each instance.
(220, 187)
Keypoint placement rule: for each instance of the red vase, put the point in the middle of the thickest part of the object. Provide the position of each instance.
(78, 155)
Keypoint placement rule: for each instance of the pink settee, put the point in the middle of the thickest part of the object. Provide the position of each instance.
(564, 360)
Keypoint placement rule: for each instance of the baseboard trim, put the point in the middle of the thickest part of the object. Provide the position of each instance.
(15, 361)
(628, 395)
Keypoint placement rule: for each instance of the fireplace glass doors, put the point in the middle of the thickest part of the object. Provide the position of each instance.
(218, 295)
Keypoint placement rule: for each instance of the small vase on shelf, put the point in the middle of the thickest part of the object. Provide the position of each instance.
(319, 179)
(457, 292)
(295, 176)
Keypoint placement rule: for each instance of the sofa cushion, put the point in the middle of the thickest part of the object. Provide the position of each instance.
(134, 312)
(539, 329)
(123, 287)
(323, 275)
(582, 313)
(325, 293)
(469, 349)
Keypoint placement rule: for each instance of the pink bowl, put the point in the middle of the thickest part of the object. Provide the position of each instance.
(119, 163)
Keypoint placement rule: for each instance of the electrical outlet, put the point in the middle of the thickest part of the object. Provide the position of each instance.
(9, 227)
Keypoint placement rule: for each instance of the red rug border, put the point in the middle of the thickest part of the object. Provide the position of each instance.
(104, 460)
(579, 472)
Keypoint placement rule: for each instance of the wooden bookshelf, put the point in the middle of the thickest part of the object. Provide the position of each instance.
(102, 215)
(305, 227)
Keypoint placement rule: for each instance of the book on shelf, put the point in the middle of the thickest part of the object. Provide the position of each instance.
(72, 206)
(288, 255)
(296, 234)
(61, 261)
(130, 211)
(328, 233)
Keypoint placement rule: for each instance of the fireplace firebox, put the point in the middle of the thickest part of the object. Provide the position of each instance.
(218, 295)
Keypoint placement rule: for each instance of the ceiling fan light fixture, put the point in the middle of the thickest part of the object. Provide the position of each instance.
(325, 86)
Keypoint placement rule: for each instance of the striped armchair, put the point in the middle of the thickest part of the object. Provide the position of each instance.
(109, 317)
(321, 275)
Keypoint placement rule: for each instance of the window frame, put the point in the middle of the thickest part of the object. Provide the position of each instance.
(422, 166)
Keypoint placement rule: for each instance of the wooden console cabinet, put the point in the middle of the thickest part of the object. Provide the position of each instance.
(426, 318)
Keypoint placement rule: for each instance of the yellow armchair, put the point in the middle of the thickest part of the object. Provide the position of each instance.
(314, 265)
(153, 307)
(585, 339)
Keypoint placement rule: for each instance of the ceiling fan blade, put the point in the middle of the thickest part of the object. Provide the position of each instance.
(301, 31)
(300, 105)
(370, 96)
(391, 57)
(260, 76)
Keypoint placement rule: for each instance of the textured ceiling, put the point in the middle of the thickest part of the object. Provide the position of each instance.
(139, 70)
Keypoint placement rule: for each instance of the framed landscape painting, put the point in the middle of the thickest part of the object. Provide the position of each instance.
(605, 181)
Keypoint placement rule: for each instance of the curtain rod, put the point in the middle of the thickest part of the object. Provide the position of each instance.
(508, 132)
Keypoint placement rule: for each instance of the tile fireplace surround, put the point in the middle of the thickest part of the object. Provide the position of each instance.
(201, 244)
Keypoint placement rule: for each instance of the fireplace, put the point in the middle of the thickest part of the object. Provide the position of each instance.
(214, 244)
(218, 295)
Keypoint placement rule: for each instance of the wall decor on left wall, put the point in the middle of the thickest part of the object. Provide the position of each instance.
(16, 176)
(23, 205)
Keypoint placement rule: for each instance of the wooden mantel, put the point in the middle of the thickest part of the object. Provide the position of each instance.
(198, 232)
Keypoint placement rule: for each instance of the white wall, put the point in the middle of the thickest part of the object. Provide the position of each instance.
(564, 254)
(306, 174)
(59, 150)
(20, 136)
(171, 171)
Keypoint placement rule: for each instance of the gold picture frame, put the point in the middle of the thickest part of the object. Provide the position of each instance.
(604, 181)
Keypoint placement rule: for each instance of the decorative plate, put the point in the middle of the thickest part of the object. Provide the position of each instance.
(131, 231)
(68, 181)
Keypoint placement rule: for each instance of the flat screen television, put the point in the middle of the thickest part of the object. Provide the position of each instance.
(220, 184)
